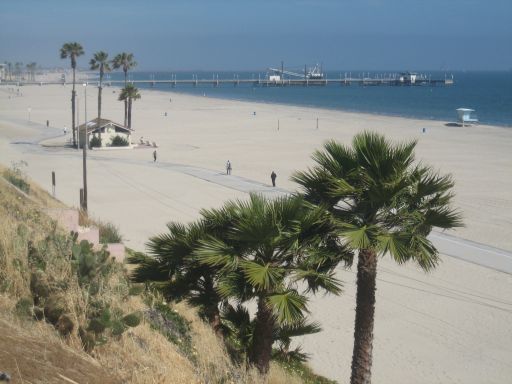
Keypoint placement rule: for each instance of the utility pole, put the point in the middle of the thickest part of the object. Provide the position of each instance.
(84, 152)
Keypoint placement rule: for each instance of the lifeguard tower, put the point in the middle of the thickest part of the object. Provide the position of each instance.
(466, 116)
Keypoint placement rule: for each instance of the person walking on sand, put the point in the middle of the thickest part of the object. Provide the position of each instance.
(154, 156)
(273, 177)
(228, 168)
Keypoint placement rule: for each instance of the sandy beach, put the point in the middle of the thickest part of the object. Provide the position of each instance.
(450, 326)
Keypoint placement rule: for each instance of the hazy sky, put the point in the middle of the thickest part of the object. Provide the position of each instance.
(244, 34)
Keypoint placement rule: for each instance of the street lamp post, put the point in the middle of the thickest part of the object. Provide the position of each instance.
(85, 143)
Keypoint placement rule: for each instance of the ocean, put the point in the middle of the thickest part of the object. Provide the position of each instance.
(488, 93)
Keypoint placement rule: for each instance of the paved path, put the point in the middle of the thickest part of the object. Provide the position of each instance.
(466, 250)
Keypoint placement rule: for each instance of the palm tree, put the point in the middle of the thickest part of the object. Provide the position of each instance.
(17, 66)
(269, 247)
(172, 269)
(238, 330)
(129, 94)
(72, 50)
(383, 204)
(125, 61)
(31, 70)
(100, 61)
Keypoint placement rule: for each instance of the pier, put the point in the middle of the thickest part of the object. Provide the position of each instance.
(215, 82)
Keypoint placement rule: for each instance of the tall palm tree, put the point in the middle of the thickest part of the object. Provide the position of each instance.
(129, 94)
(31, 70)
(9, 70)
(125, 61)
(272, 245)
(383, 204)
(72, 50)
(100, 61)
(17, 66)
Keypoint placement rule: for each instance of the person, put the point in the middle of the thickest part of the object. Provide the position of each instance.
(65, 130)
(47, 123)
(273, 177)
(228, 168)
(165, 114)
(154, 156)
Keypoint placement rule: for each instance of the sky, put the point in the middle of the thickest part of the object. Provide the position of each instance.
(172, 35)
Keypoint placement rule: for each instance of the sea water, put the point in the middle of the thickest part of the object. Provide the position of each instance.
(488, 93)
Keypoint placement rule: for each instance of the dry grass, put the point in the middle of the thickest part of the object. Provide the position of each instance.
(140, 355)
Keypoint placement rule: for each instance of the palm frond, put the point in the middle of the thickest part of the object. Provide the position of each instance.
(289, 306)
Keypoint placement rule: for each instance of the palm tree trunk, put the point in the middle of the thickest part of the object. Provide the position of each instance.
(261, 348)
(212, 310)
(129, 112)
(99, 104)
(125, 101)
(365, 312)
(73, 93)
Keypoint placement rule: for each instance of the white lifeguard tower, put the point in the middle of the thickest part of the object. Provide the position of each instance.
(466, 116)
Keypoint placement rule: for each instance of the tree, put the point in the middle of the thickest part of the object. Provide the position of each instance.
(100, 61)
(129, 94)
(383, 204)
(238, 330)
(31, 70)
(72, 50)
(125, 61)
(172, 268)
(17, 66)
(269, 247)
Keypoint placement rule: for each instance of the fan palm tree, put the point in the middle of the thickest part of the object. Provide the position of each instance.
(383, 204)
(269, 247)
(129, 94)
(125, 61)
(172, 269)
(100, 61)
(72, 50)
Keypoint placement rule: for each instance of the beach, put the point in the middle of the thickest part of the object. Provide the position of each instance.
(450, 325)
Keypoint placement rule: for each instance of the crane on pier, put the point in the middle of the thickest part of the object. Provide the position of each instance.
(314, 73)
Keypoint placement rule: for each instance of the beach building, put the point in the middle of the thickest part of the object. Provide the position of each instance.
(3, 72)
(109, 130)
(466, 116)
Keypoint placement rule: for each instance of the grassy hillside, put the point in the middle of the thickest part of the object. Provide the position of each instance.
(77, 316)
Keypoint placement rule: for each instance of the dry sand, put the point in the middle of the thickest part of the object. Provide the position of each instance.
(452, 325)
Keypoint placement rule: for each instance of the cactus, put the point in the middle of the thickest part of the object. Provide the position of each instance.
(117, 328)
(96, 326)
(90, 265)
(133, 319)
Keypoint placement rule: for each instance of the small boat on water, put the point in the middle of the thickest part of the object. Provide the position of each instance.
(466, 116)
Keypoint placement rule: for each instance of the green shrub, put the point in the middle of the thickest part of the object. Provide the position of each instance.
(109, 233)
(118, 141)
(95, 142)
(172, 325)
(17, 177)
(24, 307)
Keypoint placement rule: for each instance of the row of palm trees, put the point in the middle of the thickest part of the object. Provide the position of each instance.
(367, 200)
(16, 70)
(101, 62)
